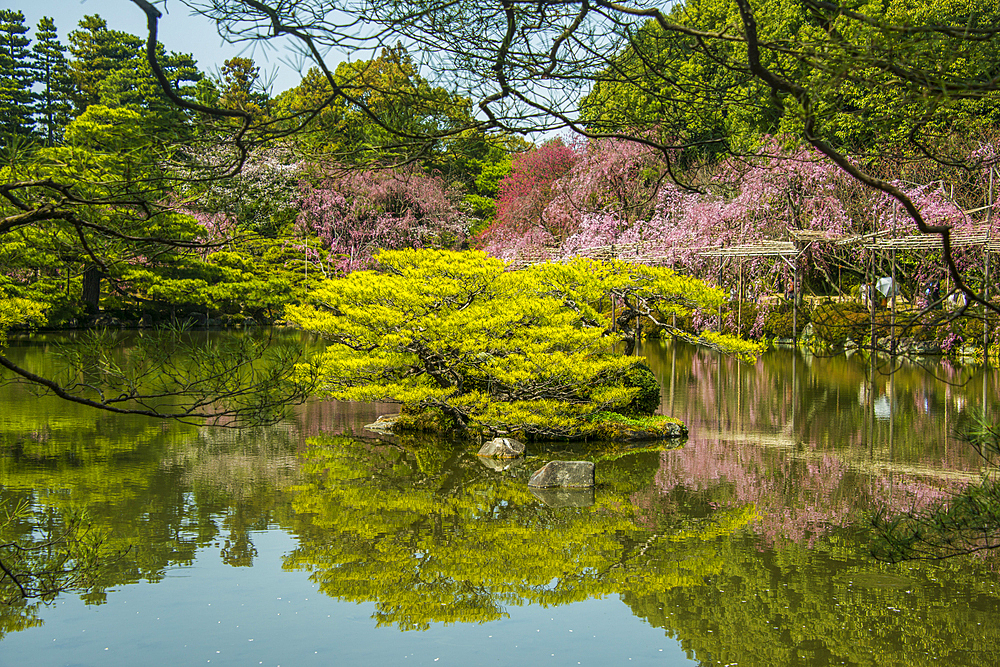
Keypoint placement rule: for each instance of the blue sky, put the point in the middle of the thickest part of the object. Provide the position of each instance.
(178, 32)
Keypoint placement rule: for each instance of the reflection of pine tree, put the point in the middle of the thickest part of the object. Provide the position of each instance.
(825, 606)
(433, 536)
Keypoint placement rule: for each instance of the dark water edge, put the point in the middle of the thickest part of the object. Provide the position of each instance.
(746, 546)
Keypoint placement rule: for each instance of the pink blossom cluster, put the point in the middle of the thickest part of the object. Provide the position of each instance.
(355, 213)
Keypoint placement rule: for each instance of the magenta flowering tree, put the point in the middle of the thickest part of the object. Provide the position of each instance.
(617, 193)
(524, 223)
(354, 213)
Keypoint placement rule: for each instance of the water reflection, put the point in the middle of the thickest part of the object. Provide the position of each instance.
(896, 414)
(433, 536)
(747, 544)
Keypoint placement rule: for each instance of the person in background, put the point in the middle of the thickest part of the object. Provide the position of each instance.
(932, 292)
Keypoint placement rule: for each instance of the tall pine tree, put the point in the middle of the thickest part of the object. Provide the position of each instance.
(97, 53)
(16, 78)
(109, 68)
(53, 105)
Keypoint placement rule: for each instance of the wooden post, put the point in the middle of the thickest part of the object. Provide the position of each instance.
(739, 302)
(720, 287)
(892, 323)
(892, 277)
(638, 326)
(871, 298)
(986, 310)
(986, 285)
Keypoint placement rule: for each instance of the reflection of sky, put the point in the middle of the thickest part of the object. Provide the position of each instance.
(881, 408)
(209, 613)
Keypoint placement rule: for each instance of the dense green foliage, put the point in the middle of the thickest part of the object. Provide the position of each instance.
(695, 91)
(123, 200)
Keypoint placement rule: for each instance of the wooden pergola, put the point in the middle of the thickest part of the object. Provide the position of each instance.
(977, 236)
(789, 252)
(786, 251)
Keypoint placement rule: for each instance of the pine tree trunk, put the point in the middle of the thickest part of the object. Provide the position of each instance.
(91, 296)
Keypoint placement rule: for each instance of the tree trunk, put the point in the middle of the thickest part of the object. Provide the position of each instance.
(91, 296)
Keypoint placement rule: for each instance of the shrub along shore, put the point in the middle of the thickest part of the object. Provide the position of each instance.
(825, 325)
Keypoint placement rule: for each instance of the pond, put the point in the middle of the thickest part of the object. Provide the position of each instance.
(314, 542)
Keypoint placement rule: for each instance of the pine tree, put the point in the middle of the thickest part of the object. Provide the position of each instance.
(110, 68)
(98, 53)
(16, 77)
(53, 106)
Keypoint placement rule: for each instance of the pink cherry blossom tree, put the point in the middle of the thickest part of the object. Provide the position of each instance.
(524, 222)
(354, 213)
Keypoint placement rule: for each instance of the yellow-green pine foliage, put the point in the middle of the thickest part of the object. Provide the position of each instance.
(17, 312)
(529, 351)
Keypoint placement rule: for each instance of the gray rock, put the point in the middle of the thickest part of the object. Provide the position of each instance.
(579, 474)
(383, 424)
(502, 448)
(108, 322)
(927, 347)
(920, 347)
(565, 497)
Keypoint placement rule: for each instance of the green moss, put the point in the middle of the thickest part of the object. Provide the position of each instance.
(836, 322)
(609, 426)
(423, 419)
(616, 427)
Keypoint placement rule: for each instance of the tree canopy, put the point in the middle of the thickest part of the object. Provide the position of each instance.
(167, 191)
(494, 350)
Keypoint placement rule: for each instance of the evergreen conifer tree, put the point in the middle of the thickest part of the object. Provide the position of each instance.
(97, 53)
(53, 105)
(16, 109)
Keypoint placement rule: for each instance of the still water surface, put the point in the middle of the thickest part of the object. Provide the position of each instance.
(306, 544)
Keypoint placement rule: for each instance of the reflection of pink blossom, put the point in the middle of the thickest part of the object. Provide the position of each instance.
(794, 498)
(791, 438)
(904, 493)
